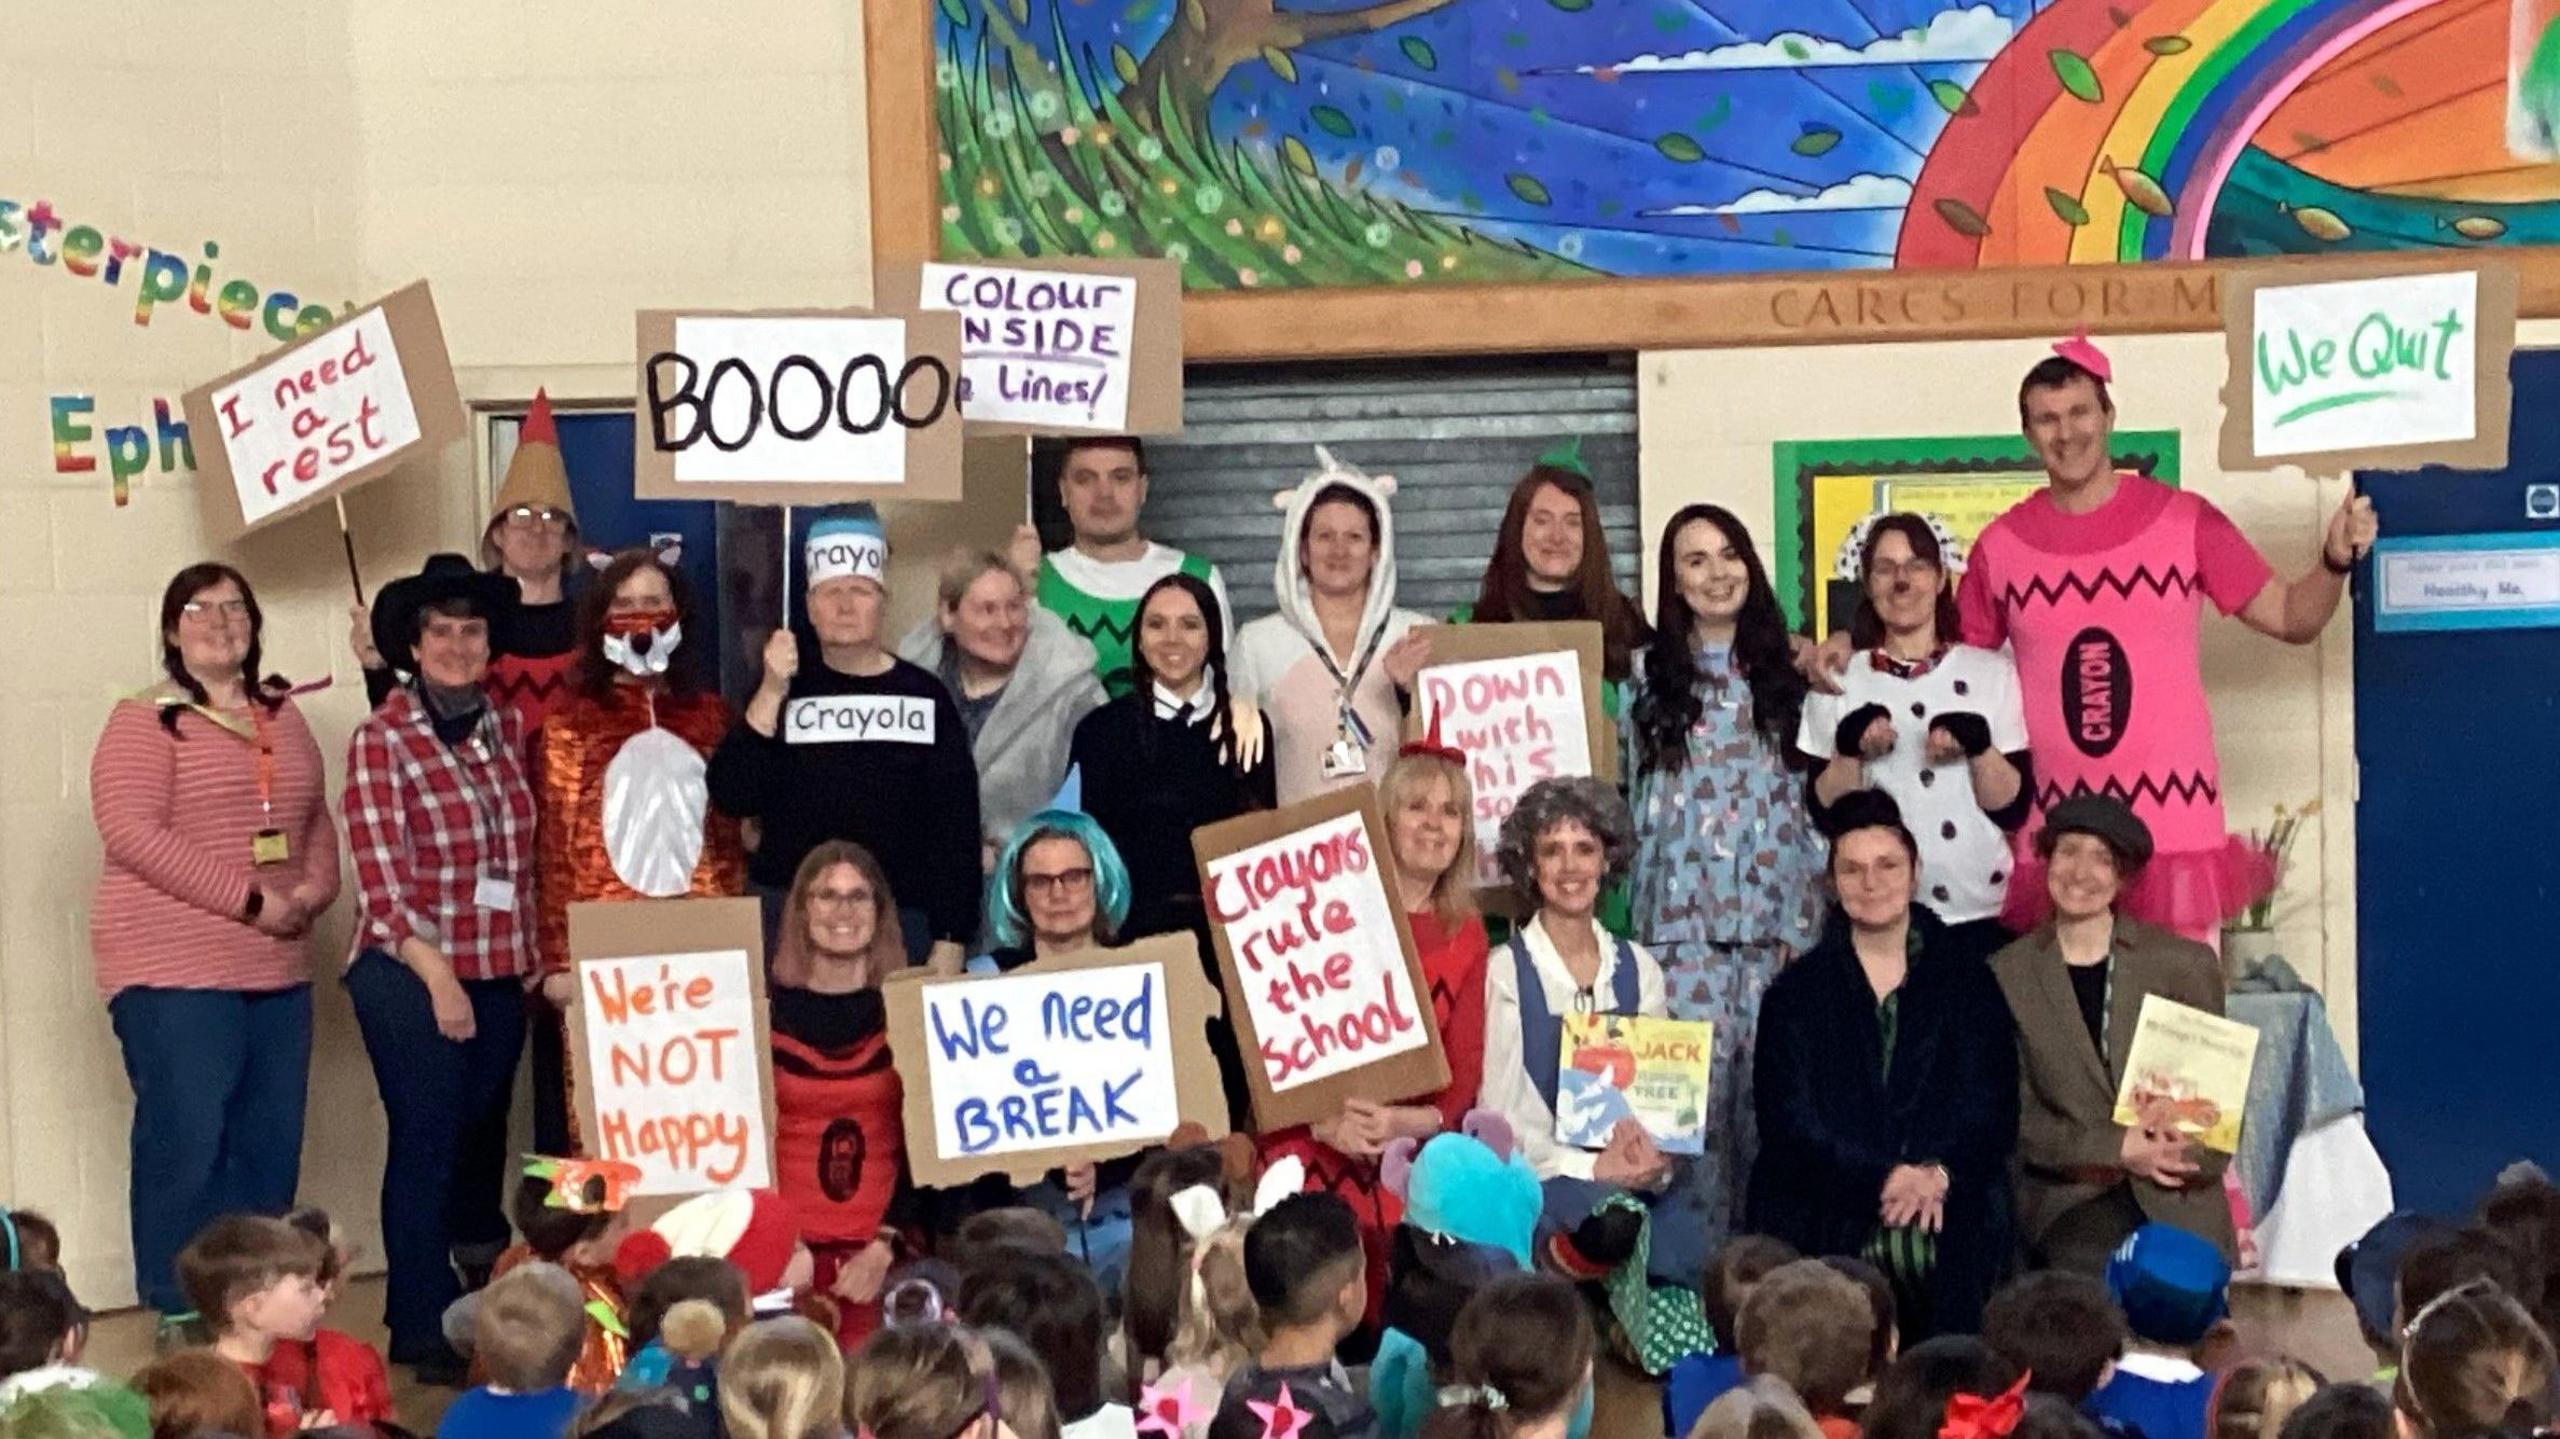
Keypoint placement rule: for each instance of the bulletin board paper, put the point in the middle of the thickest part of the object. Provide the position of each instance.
(1085, 1057)
(1027, 376)
(1496, 690)
(1328, 997)
(340, 409)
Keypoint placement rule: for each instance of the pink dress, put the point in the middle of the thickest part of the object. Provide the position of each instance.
(2103, 609)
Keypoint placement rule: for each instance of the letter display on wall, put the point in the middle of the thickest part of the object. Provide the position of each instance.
(670, 1048)
(1086, 1056)
(2393, 369)
(303, 426)
(1059, 347)
(796, 407)
(1523, 701)
(1318, 961)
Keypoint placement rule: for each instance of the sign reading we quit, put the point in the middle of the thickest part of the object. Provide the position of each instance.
(344, 406)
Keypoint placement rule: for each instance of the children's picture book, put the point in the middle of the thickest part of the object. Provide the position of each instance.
(1620, 1066)
(2188, 1070)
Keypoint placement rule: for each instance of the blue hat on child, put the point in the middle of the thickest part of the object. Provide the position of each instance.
(846, 542)
(2172, 1286)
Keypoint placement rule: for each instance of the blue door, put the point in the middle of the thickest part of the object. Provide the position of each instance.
(2459, 957)
(596, 448)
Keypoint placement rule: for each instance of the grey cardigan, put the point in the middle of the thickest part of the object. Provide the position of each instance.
(1022, 749)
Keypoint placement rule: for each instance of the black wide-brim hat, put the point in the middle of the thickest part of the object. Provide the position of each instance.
(2106, 817)
(447, 578)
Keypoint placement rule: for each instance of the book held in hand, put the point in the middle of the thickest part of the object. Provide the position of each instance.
(1619, 1066)
(2187, 1070)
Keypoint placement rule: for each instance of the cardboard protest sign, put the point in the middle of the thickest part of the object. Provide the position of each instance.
(1327, 996)
(2395, 367)
(796, 407)
(1524, 702)
(309, 423)
(1058, 347)
(1087, 1056)
(669, 1046)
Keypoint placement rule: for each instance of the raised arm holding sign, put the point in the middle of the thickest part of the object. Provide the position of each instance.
(1523, 703)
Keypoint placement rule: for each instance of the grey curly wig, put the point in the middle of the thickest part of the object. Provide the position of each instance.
(1591, 803)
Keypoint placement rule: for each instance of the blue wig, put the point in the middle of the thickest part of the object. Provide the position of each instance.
(1110, 874)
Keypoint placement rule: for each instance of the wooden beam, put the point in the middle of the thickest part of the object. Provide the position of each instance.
(906, 200)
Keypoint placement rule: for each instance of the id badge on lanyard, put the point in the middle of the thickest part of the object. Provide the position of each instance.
(1348, 755)
(270, 846)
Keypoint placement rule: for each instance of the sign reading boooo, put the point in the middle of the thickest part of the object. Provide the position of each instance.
(1318, 961)
(797, 407)
(1058, 347)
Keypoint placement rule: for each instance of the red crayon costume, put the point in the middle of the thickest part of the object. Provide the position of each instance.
(530, 663)
(839, 1141)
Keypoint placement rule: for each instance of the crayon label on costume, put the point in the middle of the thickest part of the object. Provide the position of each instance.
(835, 719)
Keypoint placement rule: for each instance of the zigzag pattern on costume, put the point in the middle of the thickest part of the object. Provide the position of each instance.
(2052, 592)
(2194, 787)
(1103, 626)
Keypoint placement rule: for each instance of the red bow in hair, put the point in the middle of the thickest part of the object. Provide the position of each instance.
(2080, 351)
(1431, 744)
(1970, 1416)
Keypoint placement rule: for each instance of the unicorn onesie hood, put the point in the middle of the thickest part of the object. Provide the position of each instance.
(1335, 718)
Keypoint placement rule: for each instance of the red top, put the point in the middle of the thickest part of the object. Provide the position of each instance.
(175, 815)
(440, 834)
(335, 1372)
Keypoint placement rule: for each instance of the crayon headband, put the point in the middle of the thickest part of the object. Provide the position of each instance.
(846, 547)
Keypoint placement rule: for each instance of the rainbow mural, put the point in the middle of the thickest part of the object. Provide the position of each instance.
(1333, 142)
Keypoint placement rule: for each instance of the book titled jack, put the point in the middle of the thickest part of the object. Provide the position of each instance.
(2187, 1070)
(1618, 1066)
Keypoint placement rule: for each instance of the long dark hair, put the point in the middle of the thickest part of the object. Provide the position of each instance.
(1866, 627)
(1671, 703)
(1160, 1249)
(1519, 1353)
(1504, 595)
(688, 673)
(1142, 679)
(184, 586)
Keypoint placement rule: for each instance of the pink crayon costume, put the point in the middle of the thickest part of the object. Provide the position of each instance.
(2103, 611)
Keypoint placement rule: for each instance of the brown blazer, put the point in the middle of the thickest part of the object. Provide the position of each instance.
(2069, 1145)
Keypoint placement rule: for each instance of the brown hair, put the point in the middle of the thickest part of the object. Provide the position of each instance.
(2055, 372)
(918, 1381)
(2473, 1362)
(1741, 1264)
(530, 1326)
(1221, 1325)
(1762, 1408)
(791, 950)
(2252, 1400)
(198, 1392)
(715, 1282)
(1866, 627)
(1521, 1350)
(2062, 1328)
(964, 568)
(1160, 1248)
(1453, 894)
(241, 1255)
(782, 1379)
(1808, 1324)
(688, 673)
(39, 1244)
(1023, 1399)
(1504, 594)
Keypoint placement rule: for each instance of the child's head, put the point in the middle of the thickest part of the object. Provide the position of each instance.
(1221, 1326)
(532, 1321)
(254, 1277)
(1014, 1226)
(2473, 1361)
(782, 1379)
(2171, 1286)
(336, 1256)
(925, 1381)
(1761, 1408)
(1521, 1355)
(2445, 1259)
(1911, 1399)
(1024, 1401)
(562, 1235)
(2524, 1210)
(1744, 1260)
(1809, 1325)
(1303, 1265)
(715, 1282)
(1886, 1341)
(2061, 1328)
(1159, 1245)
(1052, 1305)
(2253, 1399)
(39, 1321)
(30, 1241)
(2342, 1411)
(196, 1392)
(921, 1291)
(2043, 1416)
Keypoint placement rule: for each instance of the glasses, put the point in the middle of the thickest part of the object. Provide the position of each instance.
(1915, 568)
(528, 517)
(839, 898)
(201, 610)
(1065, 881)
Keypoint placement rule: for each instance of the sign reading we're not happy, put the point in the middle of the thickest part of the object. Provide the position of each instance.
(2391, 368)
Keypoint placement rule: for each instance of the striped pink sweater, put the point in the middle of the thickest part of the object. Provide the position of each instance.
(176, 817)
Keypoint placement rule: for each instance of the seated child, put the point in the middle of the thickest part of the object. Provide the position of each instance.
(42, 1331)
(1888, 1336)
(782, 1379)
(1520, 1361)
(196, 1394)
(30, 1241)
(2342, 1411)
(1025, 1405)
(924, 1381)
(2061, 1328)
(1219, 1327)
(526, 1336)
(2172, 1288)
(256, 1284)
(684, 1311)
(1913, 1397)
(580, 1238)
(2255, 1397)
(2473, 1363)
(1762, 1408)
(332, 1370)
(1309, 1277)
(1810, 1326)
(1698, 1380)
(1052, 1304)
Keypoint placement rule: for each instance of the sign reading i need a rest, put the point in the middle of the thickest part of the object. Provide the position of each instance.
(1061, 346)
(2379, 369)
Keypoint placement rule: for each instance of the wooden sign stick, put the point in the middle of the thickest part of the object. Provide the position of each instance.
(348, 538)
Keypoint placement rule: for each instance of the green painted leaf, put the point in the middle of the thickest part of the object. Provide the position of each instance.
(1332, 121)
(1570, 6)
(1962, 218)
(1280, 63)
(1416, 49)
(2066, 206)
(2076, 76)
(1528, 189)
(2168, 44)
(1781, 236)
(1816, 140)
(1951, 97)
(1890, 101)
(1676, 146)
(1138, 10)
(1125, 63)
(1295, 152)
(957, 12)
(1192, 12)
(1021, 12)
(1717, 114)
(1796, 49)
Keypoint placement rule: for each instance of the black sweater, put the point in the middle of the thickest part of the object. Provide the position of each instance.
(906, 791)
(1149, 782)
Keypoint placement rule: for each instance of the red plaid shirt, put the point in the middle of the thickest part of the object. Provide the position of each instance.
(427, 822)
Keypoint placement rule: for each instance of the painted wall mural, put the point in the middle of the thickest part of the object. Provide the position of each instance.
(1266, 144)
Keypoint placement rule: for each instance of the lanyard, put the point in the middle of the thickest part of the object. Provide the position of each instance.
(265, 741)
(1345, 684)
(486, 832)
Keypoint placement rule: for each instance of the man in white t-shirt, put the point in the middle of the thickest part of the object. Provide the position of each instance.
(1095, 583)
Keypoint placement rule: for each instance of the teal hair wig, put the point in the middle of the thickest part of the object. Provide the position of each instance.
(1110, 874)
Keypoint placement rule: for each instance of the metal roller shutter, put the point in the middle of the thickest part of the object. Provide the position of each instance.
(1456, 436)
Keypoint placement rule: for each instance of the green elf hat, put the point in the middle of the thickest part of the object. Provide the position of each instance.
(1566, 455)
